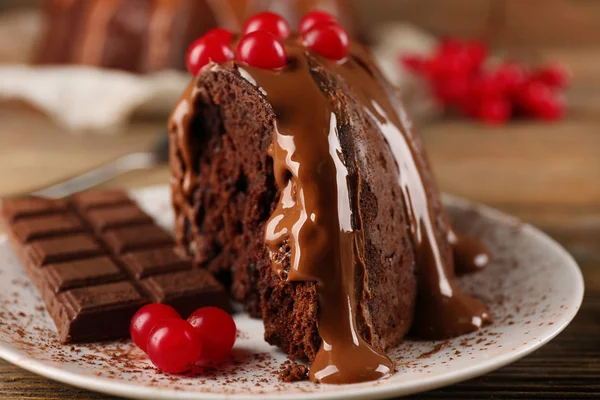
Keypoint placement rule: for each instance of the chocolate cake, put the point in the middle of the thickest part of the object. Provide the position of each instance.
(306, 191)
(150, 35)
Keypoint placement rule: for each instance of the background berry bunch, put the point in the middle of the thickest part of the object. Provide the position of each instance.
(175, 345)
(261, 43)
(461, 79)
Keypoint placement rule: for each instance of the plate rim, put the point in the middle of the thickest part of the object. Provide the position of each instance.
(110, 387)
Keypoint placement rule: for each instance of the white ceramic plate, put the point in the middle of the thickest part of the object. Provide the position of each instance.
(533, 287)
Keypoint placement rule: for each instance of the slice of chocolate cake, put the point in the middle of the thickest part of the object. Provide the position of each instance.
(305, 189)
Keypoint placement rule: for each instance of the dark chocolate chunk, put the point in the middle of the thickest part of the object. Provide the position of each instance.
(63, 249)
(123, 240)
(27, 229)
(91, 271)
(125, 215)
(78, 255)
(155, 261)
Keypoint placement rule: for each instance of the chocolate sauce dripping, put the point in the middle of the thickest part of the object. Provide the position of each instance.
(314, 218)
(442, 309)
(180, 123)
(470, 255)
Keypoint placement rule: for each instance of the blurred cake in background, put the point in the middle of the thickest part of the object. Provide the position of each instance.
(151, 35)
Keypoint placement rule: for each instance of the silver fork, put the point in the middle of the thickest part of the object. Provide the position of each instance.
(131, 162)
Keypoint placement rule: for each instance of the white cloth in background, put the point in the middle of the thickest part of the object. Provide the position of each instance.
(84, 99)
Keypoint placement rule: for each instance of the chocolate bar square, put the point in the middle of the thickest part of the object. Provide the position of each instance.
(103, 219)
(13, 209)
(123, 240)
(64, 248)
(106, 198)
(74, 274)
(98, 312)
(155, 261)
(186, 290)
(28, 228)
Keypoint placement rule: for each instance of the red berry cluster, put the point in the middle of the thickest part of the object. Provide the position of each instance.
(459, 79)
(174, 345)
(262, 46)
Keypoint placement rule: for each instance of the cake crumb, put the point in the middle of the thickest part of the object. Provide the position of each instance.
(293, 372)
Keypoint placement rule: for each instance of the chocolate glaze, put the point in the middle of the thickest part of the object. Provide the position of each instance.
(437, 294)
(313, 218)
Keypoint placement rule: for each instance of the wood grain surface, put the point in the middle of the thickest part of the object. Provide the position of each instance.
(548, 175)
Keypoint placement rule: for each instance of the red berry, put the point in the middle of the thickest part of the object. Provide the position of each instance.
(220, 34)
(315, 18)
(470, 107)
(552, 108)
(555, 76)
(330, 41)
(477, 52)
(413, 63)
(531, 93)
(146, 318)
(487, 86)
(269, 22)
(456, 57)
(217, 330)
(174, 346)
(495, 111)
(446, 65)
(207, 49)
(263, 50)
(511, 76)
(541, 101)
(452, 90)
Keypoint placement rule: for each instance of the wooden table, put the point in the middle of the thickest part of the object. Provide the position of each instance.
(548, 175)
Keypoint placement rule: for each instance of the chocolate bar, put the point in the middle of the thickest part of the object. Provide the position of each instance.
(97, 257)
